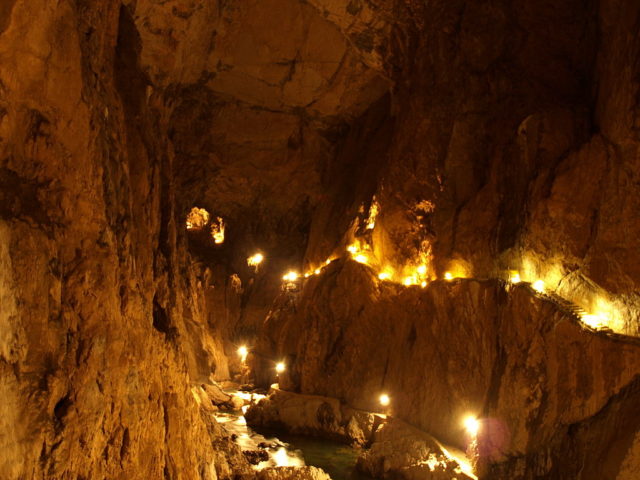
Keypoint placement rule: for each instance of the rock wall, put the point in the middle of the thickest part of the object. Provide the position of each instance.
(101, 321)
(495, 136)
(509, 356)
(514, 147)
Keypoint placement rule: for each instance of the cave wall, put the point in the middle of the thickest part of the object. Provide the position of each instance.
(495, 136)
(514, 146)
(258, 124)
(102, 324)
(548, 392)
(529, 150)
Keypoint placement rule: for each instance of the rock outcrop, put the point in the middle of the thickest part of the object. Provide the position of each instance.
(509, 356)
(292, 473)
(514, 146)
(494, 135)
(400, 451)
(390, 448)
(101, 323)
(312, 415)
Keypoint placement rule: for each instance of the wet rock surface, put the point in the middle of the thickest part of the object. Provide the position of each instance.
(312, 415)
(400, 451)
(292, 473)
(390, 448)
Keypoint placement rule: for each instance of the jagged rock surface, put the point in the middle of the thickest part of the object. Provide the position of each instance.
(292, 473)
(101, 320)
(400, 451)
(511, 357)
(515, 145)
(510, 140)
(312, 415)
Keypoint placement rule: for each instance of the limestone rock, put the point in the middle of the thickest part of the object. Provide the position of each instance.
(216, 395)
(400, 451)
(292, 473)
(101, 318)
(312, 415)
(449, 350)
(236, 403)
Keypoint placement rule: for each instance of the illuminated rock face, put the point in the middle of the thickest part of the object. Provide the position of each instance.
(529, 371)
(101, 328)
(521, 130)
(494, 134)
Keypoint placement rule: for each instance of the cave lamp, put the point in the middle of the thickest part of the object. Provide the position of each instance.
(471, 425)
(243, 351)
(255, 260)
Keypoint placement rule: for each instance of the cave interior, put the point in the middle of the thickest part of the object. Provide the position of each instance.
(410, 228)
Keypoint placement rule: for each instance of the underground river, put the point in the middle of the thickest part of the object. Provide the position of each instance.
(287, 450)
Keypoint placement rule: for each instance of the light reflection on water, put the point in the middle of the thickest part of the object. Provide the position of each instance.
(287, 450)
(280, 454)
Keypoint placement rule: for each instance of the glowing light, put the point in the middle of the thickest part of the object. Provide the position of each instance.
(243, 352)
(373, 213)
(448, 276)
(197, 218)
(471, 425)
(592, 320)
(384, 400)
(307, 275)
(361, 259)
(423, 284)
(328, 261)
(316, 271)
(255, 260)
(596, 321)
(280, 367)
(384, 276)
(408, 281)
(290, 277)
(422, 270)
(538, 286)
(352, 249)
(217, 230)
(515, 277)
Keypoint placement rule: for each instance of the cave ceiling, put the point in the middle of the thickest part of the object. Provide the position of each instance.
(261, 94)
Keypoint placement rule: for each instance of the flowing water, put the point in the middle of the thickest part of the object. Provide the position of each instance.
(338, 460)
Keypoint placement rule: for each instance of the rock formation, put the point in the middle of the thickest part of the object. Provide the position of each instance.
(503, 353)
(485, 139)
(101, 317)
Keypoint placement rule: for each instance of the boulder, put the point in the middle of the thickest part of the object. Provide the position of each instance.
(400, 451)
(293, 473)
(216, 395)
(312, 415)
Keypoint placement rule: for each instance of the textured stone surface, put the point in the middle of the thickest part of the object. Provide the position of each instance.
(99, 321)
(312, 415)
(515, 359)
(292, 473)
(400, 451)
(509, 141)
(511, 123)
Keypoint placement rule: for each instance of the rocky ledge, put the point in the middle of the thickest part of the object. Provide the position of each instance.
(391, 448)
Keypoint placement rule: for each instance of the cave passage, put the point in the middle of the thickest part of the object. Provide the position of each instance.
(320, 239)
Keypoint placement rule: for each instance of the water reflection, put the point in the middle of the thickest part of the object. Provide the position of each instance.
(280, 454)
(287, 450)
